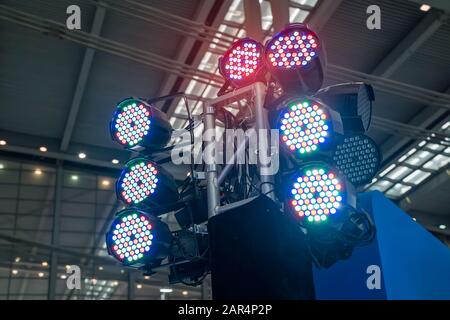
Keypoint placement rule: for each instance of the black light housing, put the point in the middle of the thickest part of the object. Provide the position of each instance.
(358, 157)
(137, 125)
(243, 63)
(296, 59)
(353, 101)
(137, 238)
(143, 183)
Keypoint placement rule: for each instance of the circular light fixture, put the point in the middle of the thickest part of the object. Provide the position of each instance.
(115, 161)
(43, 149)
(138, 238)
(293, 48)
(142, 182)
(2, 142)
(82, 155)
(241, 64)
(358, 158)
(318, 192)
(307, 125)
(138, 124)
(292, 56)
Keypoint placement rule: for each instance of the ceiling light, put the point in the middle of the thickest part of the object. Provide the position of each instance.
(82, 155)
(2, 142)
(38, 172)
(40, 274)
(185, 293)
(106, 183)
(139, 286)
(146, 277)
(74, 178)
(115, 283)
(115, 161)
(100, 268)
(165, 290)
(414, 219)
(43, 149)
(44, 263)
(442, 226)
(425, 7)
(15, 272)
(63, 276)
(17, 259)
(67, 266)
(2, 166)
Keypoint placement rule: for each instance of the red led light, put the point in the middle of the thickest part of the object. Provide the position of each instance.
(242, 61)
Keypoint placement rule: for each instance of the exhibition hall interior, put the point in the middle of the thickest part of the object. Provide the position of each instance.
(134, 136)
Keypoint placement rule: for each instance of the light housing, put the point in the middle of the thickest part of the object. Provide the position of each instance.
(143, 183)
(137, 238)
(317, 192)
(358, 157)
(137, 125)
(243, 63)
(354, 103)
(296, 59)
(307, 126)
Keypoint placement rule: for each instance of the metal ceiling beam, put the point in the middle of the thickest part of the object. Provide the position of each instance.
(396, 58)
(439, 4)
(200, 52)
(253, 20)
(413, 40)
(280, 14)
(82, 80)
(322, 13)
(185, 47)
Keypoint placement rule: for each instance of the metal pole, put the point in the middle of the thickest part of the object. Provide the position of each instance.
(131, 285)
(212, 187)
(55, 233)
(262, 127)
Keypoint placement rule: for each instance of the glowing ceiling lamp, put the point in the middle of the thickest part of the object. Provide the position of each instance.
(293, 57)
(143, 183)
(138, 125)
(137, 238)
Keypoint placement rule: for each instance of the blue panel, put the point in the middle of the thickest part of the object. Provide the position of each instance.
(347, 279)
(414, 264)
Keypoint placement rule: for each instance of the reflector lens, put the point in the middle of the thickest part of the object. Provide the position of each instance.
(138, 181)
(304, 125)
(242, 61)
(131, 123)
(316, 194)
(131, 237)
(292, 49)
(358, 158)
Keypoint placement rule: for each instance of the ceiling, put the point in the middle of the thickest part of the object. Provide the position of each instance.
(61, 94)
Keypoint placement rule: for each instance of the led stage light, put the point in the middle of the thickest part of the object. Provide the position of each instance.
(242, 63)
(137, 125)
(358, 157)
(137, 238)
(307, 125)
(294, 57)
(353, 101)
(318, 192)
(143, 183)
